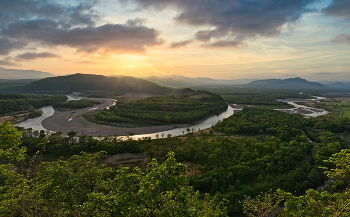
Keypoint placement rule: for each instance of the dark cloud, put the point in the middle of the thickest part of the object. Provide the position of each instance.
(135, 22)
(116, 38)
(82, 13)
(338, 8)
(342, 38)
(7, 63)
(233, 20)
(34, 56)
(226, 44)
(47, 23)
(7, 45)
(180, 43)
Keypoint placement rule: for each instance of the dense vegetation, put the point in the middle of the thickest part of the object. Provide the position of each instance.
(13, 103)
(259, 98)
(81, 186)
(184, 106)
(251, 152)
(313, 203)
(84, 82)
(8, 85)
(76, 104)
(256, 100)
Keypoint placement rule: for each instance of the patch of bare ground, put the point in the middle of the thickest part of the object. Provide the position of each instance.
(127, 160)
(130, 97)
(14, 119)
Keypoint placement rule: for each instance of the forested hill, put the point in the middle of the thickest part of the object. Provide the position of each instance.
(290, 83)
(85, 82)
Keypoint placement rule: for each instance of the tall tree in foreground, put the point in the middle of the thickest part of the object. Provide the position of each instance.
(162, 190)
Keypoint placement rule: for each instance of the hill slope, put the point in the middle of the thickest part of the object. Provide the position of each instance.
(290, 83)
(85, 82)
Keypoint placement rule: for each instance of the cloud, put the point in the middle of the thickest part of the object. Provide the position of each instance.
(7, 45)
(233, 20)
(135, 22)
(7, 63)
(180, 43)
(338, 8)
(48, 23)
(34, 56)
(117, 38)
(226, 44)
(342, 38)
(67, 15)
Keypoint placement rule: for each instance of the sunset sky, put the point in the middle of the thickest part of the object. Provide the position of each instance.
(222, 39)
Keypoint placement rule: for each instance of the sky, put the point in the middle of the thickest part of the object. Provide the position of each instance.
(220, 39)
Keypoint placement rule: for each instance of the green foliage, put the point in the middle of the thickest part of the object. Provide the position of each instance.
(263, 205)
(313, 203)
(253, 121)
(161, 191)
(10, 103)
(81, 186)
(163, 110)
(76, 104)
(256, 100)
(254, 151)
(342, 162)
(10, 139)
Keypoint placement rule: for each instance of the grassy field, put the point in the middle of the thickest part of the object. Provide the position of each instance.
(339, 109)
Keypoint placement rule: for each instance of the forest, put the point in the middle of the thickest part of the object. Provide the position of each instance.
(254, 151)
(75, 104)
(183, 106)
(12, 103)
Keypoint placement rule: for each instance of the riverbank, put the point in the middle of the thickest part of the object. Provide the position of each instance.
(66, 121)
(14, 119)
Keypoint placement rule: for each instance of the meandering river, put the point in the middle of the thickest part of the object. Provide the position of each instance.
(36, 123)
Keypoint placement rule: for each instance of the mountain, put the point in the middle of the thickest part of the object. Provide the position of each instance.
(340, 85)
(290, 83)
(23, 74)
(87, 82)
(182, 81)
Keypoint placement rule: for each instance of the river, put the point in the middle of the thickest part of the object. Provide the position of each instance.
(36, 123)
(47, 111)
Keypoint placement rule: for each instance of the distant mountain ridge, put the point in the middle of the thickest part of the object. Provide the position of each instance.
(23, 74)
(182, 81)
(290, 83)
(340, 85)
(88, 82)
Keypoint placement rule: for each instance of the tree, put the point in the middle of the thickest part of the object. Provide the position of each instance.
(71, 135)
(162, 190)
(313, 203)
(342, 162)
(10, 140)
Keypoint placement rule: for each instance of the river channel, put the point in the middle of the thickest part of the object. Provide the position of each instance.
(48, 111)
